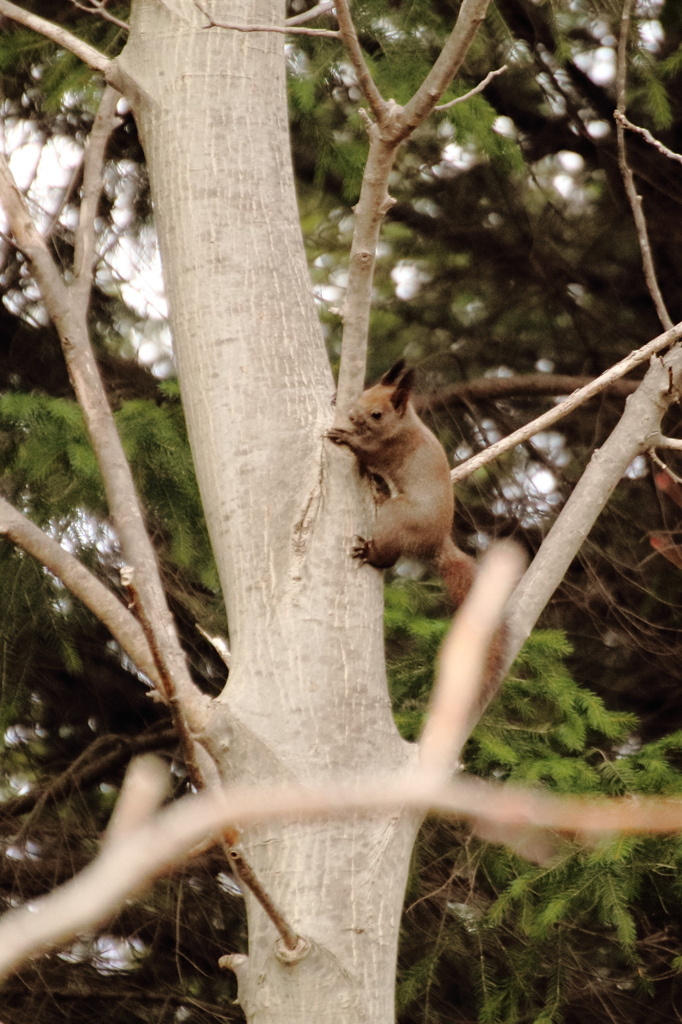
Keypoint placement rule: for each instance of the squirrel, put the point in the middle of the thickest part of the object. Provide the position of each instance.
(416, 502)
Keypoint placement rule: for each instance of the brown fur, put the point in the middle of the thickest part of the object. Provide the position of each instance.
(415, 515)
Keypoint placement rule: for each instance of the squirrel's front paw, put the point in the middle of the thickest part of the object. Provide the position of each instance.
(338, 435)
(360, 550)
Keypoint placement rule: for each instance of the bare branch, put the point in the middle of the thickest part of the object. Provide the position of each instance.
(473, 92)
(299, 19)
(372, 206)
(552, 416)
(104, 755)
(123, 626)
(646, 134)
(88, 54)
(284, 30)
(471, 14)
(667, 442)
(166, 683)
(393, 125)
(456, 697)
(99, 7)
(93, 165)
(70, 320)
(638, 428)
(130, 860)
(144, 788)
(245, 873)
(634, 199)
(30, 241)
(362, 72)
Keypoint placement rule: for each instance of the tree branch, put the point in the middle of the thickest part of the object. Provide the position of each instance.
(99, 8)
(552, 416)
(133, 857)
(372, 206)
(471, 14)
(646, 134)
(352, 44)
(393, 125)
(102, 757)
(638, 428)
(88, 54)
(456, 697)
(634, 199)
(326, 7)
(473, 92)
(283, 30)
(491, 389)
(70, 320)
(93, 166)
(123, 626)
(31, 242)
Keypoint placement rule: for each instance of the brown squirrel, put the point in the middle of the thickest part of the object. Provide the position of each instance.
(416, 507)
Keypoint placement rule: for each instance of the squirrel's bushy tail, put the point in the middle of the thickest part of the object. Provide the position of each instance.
(458, 572)
(456, 569)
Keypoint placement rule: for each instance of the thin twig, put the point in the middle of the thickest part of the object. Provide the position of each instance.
(646, 134)
(167, 688)
(247, 875)
(299, 19)
(635, 358)
(658, 461)
(100, 8)
(284, 30)
(88, 54)
(634, 199)
(103, 756)
(473, 92)
(354, 50)
(492, 389)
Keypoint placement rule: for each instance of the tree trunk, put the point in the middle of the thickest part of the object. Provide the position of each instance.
(307, 697)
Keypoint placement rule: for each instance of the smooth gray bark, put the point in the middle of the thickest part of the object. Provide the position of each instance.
(307, 696)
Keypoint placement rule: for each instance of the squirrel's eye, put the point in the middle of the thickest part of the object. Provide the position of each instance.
(376, 415)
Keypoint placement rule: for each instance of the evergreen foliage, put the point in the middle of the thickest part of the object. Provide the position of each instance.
(584, 933)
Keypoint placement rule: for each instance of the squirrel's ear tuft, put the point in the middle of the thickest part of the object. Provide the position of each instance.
(402, 391)
(392, 375)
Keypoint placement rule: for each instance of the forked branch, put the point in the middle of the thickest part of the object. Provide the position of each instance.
(393, 125)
